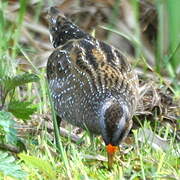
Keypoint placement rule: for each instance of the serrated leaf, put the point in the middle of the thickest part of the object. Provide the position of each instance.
(10, 83)
(42, 165)
(22, 110)
(7, 124)
(9, 167)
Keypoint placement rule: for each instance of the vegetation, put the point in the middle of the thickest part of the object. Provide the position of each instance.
(27, 149)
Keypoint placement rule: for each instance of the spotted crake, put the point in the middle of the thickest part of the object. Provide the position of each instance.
(92, 83)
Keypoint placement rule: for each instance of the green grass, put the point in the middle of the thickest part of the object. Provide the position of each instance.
(142, 162)
(41, 161)
(168, 40)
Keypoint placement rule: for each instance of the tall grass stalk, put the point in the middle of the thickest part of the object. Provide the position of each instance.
(173, 9)
(59, 145)
(17, 30)
(137, 32)
(162, 38)
(168, 39)
(5, 35)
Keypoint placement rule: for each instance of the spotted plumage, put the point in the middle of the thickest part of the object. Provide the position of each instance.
(92, 83)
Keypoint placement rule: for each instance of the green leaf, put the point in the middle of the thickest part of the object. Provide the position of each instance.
(7, 127)
(42, 165)
(22, 110)
(9, 167)
(10, 83)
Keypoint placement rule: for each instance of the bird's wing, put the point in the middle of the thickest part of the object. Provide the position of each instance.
(104, 65)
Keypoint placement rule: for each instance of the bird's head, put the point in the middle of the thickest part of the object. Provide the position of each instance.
(115, 123)
(61, 28)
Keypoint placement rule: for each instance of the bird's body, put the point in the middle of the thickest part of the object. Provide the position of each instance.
(86, 74)
(92, 84)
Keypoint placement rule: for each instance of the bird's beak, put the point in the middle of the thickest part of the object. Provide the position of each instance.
(110, 152)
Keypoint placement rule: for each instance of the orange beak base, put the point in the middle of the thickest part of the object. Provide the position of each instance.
(110, 152)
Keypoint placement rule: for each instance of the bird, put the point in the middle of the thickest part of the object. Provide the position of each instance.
(92, 84)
